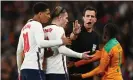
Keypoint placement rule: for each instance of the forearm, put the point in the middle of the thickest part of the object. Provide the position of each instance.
(50, 43)
(73, 36)
(83, 62)
(19, 53)
(104, 61)
(39, 37)
(92, 73)
(96, 57)
(68, 52)
(19, 59)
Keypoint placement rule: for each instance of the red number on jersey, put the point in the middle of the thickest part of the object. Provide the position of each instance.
(26, 42)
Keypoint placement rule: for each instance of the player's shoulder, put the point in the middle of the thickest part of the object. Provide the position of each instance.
(55, 27)
(61, 28)
(49, 26)
(35, 23)
(110, 44)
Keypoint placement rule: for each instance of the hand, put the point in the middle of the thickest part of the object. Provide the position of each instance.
(48, 52)
(75, 76)
(101, 74)
(70, 64)
(19, 77)
(76, 27)
(86, 56)
(66, 40)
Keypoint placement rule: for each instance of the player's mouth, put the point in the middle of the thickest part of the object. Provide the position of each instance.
(89, 22)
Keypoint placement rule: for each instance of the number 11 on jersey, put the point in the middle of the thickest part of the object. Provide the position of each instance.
(26, 42)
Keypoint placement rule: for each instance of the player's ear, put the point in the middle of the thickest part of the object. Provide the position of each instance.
(95, 20)
(39, 13)
(83, 18)
(60, 17)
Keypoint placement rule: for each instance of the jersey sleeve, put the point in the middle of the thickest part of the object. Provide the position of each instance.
(96, 57)
(39, 37)
(19, 52)
(66, 51)
(105, 58)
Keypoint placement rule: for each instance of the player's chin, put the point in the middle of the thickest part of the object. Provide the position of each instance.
(65, 26)
(46, 21)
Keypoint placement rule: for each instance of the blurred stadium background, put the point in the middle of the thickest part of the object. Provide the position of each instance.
(14, 15)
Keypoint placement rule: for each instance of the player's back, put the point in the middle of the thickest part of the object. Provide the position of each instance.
(113, 71)
(30, 45)
(55, 63)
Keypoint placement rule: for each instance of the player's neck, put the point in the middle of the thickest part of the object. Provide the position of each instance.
(55, 22)
(89, 30)
(36, 18)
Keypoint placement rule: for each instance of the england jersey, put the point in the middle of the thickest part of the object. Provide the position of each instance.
(56, 64)
(31, 42)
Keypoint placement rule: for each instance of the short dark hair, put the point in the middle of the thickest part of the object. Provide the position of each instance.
(89, 8)
(57, 11)
(39, 7)
(111, 29)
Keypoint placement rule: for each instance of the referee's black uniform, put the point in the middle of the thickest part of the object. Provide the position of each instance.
(85, 42)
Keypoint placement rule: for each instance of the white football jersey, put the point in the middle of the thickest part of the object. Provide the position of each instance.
(30, 46)
(56, 64)
(31, 41)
